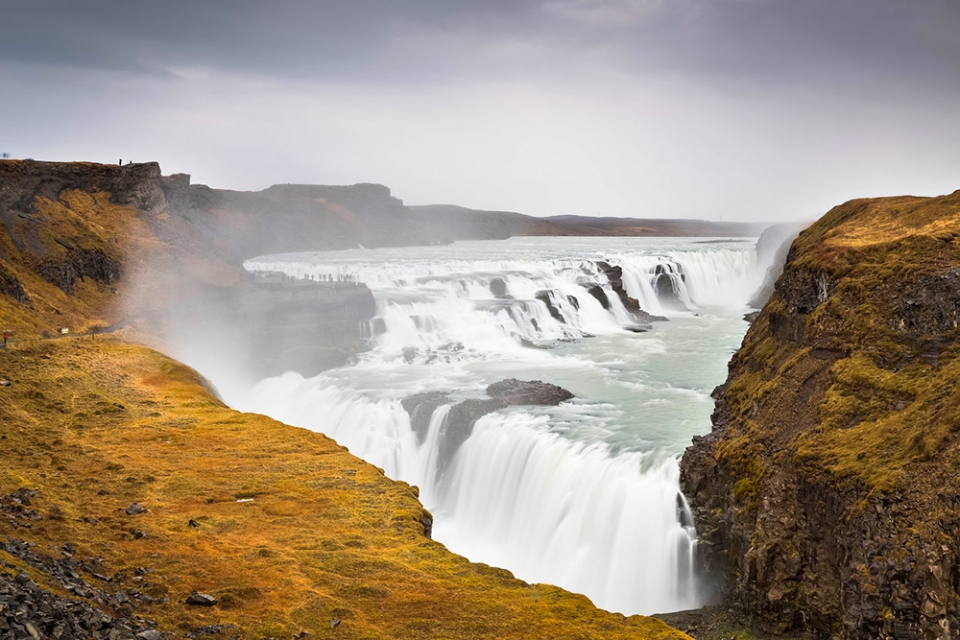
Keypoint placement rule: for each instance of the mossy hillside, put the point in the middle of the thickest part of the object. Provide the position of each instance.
(93, 424)
(826, 494)
(887, 372)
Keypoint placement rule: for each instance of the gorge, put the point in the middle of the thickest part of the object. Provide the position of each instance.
(824, 497)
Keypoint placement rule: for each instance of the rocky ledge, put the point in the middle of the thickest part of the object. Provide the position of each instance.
(464, 414)
(826, 496)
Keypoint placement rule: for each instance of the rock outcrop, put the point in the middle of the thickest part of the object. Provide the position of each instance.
(614, 276)
(463, 415)
(519, 392)
(826, 494)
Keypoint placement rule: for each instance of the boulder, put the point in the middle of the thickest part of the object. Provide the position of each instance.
(513, 392)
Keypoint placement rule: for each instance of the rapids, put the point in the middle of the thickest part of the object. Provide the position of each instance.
(584, 495)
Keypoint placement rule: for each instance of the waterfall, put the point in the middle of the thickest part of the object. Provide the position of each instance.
(584, 495)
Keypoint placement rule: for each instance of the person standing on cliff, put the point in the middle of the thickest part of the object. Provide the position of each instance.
(4, 340)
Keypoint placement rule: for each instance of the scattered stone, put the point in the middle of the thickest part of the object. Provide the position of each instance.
(135, 509)
(150, 634)
(23, 496)
(210, 630)
(139, 535)
(29, 611)
(201, 599)
(335, 623)
(193, 523)
(4, 382)
(32, 630)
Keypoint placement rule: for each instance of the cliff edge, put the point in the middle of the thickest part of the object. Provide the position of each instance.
(826, 495)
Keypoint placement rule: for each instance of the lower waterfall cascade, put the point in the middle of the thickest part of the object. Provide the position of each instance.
(584, 494)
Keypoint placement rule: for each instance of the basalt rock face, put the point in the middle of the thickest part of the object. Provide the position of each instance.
(10, 285)
(826, 494)
(76, 264)
(132, 185)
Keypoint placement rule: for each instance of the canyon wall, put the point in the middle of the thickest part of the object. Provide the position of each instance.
(826, 495)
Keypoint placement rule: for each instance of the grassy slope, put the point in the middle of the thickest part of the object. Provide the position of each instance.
(93, 424)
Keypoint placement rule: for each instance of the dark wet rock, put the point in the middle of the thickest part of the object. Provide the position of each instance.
(459, 425)
(615, 278)
(666, 287)
(597, 292)
(201, 599)
(516, 392)
(498, 287)
(546, 297)
(752, 316)
(135, 509)
(421, 407)
(426, 519)
(149, 634)
(639, 328)
(463, 416)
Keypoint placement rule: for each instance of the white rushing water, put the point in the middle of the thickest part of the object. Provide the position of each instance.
(584, 495)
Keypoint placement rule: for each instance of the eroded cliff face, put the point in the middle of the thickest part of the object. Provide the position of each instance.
(827, 494)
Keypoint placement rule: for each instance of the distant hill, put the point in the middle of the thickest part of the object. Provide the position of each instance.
(608, 226)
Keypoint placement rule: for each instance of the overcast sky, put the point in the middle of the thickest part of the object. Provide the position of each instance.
(732, 109)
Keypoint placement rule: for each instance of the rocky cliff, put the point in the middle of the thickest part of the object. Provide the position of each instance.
(826, 495)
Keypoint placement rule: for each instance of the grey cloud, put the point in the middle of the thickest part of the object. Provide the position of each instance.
(656, 107)
(378, 40)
